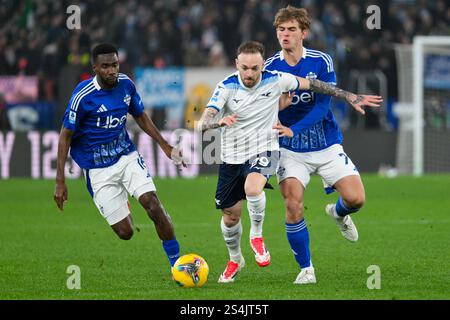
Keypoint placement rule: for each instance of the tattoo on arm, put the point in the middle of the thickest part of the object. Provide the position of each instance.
(207, 120)
(325, 88)
(358, 99)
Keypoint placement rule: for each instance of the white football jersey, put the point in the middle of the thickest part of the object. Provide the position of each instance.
(257, 113)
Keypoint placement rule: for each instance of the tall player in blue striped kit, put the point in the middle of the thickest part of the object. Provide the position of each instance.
(94, 130)
(311, 141)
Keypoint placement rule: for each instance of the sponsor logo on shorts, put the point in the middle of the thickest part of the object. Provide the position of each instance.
(281, 171)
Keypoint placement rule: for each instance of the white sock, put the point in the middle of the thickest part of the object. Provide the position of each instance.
(256, 209)
(232, 237)
(310, 266)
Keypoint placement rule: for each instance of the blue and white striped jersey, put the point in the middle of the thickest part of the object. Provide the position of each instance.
(98, 117)
(309, 116)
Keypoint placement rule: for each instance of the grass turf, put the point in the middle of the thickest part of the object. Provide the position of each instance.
(404, 229)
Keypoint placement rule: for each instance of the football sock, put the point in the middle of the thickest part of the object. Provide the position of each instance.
(232, 237)
(298, 237)
(342, 210)
(256, 206)
(172, 249)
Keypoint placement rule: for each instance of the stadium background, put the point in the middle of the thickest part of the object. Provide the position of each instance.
(176, 51)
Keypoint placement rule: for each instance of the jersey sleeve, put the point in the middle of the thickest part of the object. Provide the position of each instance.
(136, 107)
(327, 73)
(75, 110)
(322, 105)
(219, 98)
(288, 82)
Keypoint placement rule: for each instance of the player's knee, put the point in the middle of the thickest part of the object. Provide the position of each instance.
(252, 191)
(294, 210)
(230, 220)
(125, 234)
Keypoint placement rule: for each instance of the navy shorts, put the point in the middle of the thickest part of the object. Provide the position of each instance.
(230, 186)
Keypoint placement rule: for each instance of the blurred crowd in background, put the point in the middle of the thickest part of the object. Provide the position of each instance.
(34, 38)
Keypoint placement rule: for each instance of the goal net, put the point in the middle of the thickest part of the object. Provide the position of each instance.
(423, 144)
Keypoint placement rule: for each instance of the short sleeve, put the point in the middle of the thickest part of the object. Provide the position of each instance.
(136, 107)
(327, 73)
(219, 97)
(288, 82)
(75, 111)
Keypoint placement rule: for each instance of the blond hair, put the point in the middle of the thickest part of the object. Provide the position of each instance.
(292, 13)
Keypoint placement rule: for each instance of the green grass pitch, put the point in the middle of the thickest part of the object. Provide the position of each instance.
(404, 229)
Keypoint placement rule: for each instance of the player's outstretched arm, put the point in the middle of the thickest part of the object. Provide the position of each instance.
(61, 194)
(207, 120)
(356, 101)
(147, 125)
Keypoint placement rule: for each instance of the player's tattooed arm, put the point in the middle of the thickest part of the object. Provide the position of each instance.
(357, 101)
(208, 121)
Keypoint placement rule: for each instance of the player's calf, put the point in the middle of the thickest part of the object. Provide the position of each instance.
(163, 225)
(354, 201)
(156, 212)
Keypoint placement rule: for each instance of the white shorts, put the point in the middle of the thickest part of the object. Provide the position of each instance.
(109, 187)
(332, 164)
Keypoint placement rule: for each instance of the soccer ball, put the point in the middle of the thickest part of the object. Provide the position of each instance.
(190, 271)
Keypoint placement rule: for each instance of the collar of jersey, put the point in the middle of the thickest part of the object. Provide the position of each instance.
(97, 86)
(303, 56)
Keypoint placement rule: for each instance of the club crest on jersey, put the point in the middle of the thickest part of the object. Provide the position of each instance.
(311, 75)
(127, 99)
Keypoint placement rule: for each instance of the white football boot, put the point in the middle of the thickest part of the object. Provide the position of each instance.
(306, 276)
(345, 224)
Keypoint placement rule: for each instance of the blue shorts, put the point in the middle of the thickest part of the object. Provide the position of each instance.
(230, 186)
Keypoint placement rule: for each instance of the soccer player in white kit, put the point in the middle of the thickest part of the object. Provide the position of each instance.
(248, 100)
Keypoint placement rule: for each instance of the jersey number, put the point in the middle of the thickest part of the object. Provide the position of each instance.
(345, 157)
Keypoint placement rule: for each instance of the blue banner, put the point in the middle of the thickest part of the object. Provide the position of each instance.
(31, 116)
(161, 88)
(437, 72)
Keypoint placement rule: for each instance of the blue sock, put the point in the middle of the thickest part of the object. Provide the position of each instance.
(342, 210)
(172, 249)
(298, 237)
